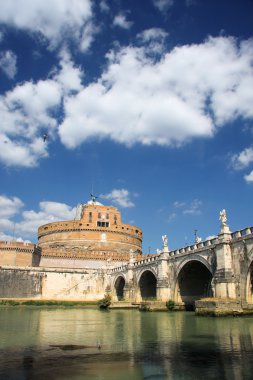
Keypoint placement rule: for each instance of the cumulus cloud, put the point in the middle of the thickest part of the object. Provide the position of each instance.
(48, 212)
(25, 111)
(249, 177)
(55, 22)
(154, 38)
(69, 76)
(8, 63)
(141, 97)
(243, 159)
(121, 21)
(163, 5)
(166, 102)
(120, 197)
(9, 206)
(27, 221)
(30, 108)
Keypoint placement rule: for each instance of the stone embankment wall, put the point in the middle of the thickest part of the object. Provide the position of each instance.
(16, 283)
(49, 283)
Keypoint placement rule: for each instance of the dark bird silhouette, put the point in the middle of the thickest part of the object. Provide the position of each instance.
(45, 137)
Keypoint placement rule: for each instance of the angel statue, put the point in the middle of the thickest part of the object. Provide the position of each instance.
(165, 240)
(223, 217)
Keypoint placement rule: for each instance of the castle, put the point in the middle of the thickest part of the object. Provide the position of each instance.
(96, 237)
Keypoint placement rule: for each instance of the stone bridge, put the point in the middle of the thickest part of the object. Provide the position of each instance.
(220, 267)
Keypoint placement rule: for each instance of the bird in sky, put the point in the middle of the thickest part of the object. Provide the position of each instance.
(45, 137)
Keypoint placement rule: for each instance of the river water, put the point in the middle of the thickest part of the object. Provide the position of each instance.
(39, 343)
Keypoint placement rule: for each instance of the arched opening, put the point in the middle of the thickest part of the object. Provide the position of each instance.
(147, 285)
(194, 282)
(119, 288)
(249, 295)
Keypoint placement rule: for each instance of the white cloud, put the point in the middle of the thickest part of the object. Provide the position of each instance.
(8, 63)
(55, 21)
(9, 206)
(210, 237)
(154, 38)
(28, 221)
(163, 5)
(243, 159)
(69, 76)
(29, 109)
(165, 102)
(49, 212)
(120, 197)
(193, 208)
(249, 177)
(5, 237)
(138, 98)
(152, 34)
(179, 204)
(121, 21)
(24, 112)
(104, 6)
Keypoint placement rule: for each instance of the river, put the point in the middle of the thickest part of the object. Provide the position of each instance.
(43, 343)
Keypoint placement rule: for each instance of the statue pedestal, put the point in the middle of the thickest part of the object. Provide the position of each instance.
(225, 229)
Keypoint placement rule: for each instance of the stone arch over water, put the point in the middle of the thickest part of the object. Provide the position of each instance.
(147, 285)
(249, 284)
(193, 282)
(119, 287)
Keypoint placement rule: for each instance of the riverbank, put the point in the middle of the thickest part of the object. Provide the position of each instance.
(222, 307)
(46, 303)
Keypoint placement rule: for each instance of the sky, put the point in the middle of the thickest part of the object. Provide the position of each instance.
(147, 104)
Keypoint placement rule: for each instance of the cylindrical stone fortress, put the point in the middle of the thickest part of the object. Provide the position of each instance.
(97, 233)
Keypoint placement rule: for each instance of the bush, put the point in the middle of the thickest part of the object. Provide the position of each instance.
(170, 305)
(105, 302)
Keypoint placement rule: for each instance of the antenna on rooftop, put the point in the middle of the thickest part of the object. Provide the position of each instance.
(14, 227)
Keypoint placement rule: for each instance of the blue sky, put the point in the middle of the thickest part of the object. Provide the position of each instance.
(148, 103)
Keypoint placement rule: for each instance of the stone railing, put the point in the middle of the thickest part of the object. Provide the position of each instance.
(242, 233)
(135, 264)
(203, 245)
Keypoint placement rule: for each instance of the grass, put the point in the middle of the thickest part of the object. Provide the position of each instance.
(9, 302)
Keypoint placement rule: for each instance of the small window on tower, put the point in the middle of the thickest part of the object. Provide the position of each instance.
(107, 216)
(99, 215)
(115, 219)
(90, 217)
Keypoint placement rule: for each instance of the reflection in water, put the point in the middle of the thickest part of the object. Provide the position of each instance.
(63, 344)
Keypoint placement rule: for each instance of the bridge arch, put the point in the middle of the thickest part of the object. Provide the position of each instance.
(119, 285)
(193, 281)
(147, 282)
(249, 284)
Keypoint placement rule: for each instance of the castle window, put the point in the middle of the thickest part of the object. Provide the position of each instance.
(102, 224)
(90, 217)
(107, 216)
(115, 219)
(99, 215)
